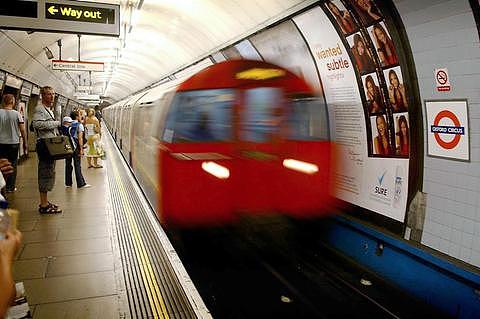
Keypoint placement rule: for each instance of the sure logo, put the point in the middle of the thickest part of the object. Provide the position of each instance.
(379, 189)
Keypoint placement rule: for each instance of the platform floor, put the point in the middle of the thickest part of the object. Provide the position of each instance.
(67, 261)
(89, 261)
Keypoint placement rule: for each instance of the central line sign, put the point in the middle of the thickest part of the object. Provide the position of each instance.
(77, 66)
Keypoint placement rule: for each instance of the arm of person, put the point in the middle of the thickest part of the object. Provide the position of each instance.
(8, 249)
(376, 146)
(80, 142)
(372, 13)
(391, 96)
(96, 124)
(40, 123)
(6, 167)
(23, 132)
(401, 87)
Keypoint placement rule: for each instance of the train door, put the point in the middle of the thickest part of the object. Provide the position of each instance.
(305, 159)
(259, 147)
(197, 159)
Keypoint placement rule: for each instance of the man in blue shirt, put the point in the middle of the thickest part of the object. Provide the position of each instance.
(74, 129)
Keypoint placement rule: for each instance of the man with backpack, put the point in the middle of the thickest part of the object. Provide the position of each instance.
(74, 130)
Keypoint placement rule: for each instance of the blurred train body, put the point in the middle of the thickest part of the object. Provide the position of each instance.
(238, 138)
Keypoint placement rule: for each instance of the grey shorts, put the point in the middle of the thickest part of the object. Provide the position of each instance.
(46, 175)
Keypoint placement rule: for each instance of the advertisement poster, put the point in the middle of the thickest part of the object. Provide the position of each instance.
(248, 51)
(365, 100)
(447, 129)
(284, 46)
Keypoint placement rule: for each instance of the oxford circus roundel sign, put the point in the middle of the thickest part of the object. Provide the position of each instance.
(457, 130)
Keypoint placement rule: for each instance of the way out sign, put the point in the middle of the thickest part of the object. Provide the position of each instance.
(442, 81)
(447, 129)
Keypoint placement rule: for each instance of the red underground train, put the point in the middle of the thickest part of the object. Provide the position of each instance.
(238, 138)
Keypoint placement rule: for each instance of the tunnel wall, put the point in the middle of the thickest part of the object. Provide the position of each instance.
(443, 34)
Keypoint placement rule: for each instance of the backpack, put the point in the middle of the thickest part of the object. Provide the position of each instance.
(73, 134)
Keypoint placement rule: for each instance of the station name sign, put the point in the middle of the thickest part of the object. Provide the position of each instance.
(77, 66)
(64, 16)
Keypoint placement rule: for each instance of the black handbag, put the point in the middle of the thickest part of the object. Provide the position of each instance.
(58, 147)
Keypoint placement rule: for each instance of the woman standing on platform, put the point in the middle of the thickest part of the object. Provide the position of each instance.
(92, 129)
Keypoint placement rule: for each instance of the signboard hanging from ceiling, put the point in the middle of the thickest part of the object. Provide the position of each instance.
(62, 16)
(77, 66)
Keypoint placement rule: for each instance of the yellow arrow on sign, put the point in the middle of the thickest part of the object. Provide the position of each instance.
(52, 10)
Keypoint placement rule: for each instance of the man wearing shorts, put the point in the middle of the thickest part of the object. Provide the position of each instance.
(45, 126)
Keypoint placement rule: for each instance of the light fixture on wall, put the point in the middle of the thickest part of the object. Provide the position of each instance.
(48, 53)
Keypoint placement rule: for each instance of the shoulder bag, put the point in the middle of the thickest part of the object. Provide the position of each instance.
(56, 147)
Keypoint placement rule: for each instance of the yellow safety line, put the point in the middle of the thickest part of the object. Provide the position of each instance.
(156, 301)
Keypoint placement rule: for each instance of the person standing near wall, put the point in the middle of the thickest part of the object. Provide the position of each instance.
(12, 128)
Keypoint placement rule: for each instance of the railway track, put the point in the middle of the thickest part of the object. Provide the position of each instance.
(282, 271)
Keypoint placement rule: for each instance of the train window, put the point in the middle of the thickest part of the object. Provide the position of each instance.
(200, 116)
(308, 119)
(263, 114)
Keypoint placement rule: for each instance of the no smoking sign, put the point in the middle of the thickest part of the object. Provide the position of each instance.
(447, 129)
(442, 80)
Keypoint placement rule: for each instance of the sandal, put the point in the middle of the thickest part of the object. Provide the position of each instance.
(50, 205)
(50, 209)
(98, 166)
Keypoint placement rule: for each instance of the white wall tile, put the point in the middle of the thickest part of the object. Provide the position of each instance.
(457, 222)
(468, 226)
(467, 240)
(444, 246)
(477, 228)
(443, 33)
(475, 258)
(465, 254)
(429, 240)
(476, 243)
(444, 232)
(456, 236)
(448, 219)
(454, 250)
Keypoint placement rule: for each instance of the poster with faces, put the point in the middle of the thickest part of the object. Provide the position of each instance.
(343, 17)
(397, 94)
(384, 46)
(375, 102)
(402, 126)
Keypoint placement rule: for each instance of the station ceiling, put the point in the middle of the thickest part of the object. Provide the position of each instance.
(157, 38)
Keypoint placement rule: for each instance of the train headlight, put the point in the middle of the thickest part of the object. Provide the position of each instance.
(303, 167)
(216, 170)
